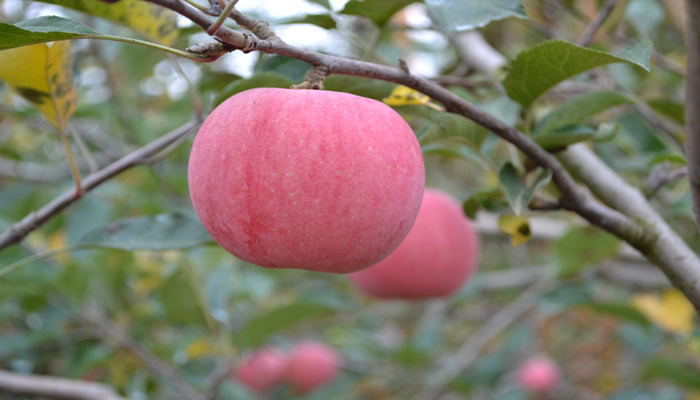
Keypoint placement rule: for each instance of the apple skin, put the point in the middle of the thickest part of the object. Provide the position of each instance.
(307, 179)
(262, 370)
(437, 257)
(539, 375)
(312, 365)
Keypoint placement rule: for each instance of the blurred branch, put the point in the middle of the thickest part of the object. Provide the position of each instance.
(55, 388)
(109, 331)
(692, 104)
(217, 378)
(662, 175)
(591, 29)
(45, 172)
(35, 219)
(652, 236)
(453, 365)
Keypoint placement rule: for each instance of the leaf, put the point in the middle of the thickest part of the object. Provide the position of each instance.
(452, 150)
(645, 16)
(670, 157)
(43, 74)
(179, 302)
(149, 20)
(672, 311)
(464, 15)
(356, 85)
(200, 348)
(263, 79)
(580, 109)
(448, 125)
(620, 310)
(583, 247)
(536, 70)
(291, 68)
(518, 228)
(564, 137)
(607, 131)
(323, 3)
(161, 232)
(669, 108)
(257, 330)
(42, 30)
(324, 21)
(675, 371)
(402, 96)
(518, 194)
(379, 11)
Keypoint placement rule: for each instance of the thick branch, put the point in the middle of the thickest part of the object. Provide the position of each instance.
(55, 388)
(19, 230)
(692, 105)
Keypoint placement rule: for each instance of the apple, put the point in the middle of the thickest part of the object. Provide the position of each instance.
(539, 375)
(262, 370)
(437, 257)
(312, 365)
(307, 179)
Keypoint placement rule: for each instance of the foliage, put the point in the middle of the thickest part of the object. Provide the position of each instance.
(133, 249)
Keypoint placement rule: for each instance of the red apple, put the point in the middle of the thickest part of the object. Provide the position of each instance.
(262, 370)
(539, 375)
(312, 365)
(307, 179)
(437, 257)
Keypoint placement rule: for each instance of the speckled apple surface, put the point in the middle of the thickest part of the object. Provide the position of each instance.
(437, 257)
(306, 179)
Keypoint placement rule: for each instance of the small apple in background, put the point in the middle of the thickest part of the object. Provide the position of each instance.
(262, 370)
(437, 257)
(307, 179)
(539, 375)
(312, 365)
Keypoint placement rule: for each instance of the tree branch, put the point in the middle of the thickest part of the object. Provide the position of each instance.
(692, 104)
(591, 29)
(21, 229)
(453, 365)
(55, 388)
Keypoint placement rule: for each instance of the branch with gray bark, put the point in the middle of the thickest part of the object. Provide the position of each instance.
(692, 104)
(55, 388)
(651, 236)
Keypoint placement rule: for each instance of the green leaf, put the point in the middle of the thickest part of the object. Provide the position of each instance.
(160, 232)
(324, 21)
(464, 15)
(452, 150)
(566, 136)
(379, 11)
(580, 109)
(675, 371)
(291, 68)
(42, 30)
(620, 310)
(607, 131)
(257, 330)
(149, 20)
(179, 301)
(536, 70)
(448, 125)
(518, 194)
(669, 108)
(583, 247)
(323, 3)
(359, 86)
(670, 157)
(263, 79)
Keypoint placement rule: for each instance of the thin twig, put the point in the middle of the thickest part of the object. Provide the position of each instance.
(591, 29)
(662, 175)
(92, 165)
(109, 331)
(55, 388)
(35, 219)
(71, 161)
(220, 20)
(453, 365)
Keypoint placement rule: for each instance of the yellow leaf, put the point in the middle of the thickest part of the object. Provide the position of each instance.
(672, 311)
(149, 20)
(402, 96)
(57, 241)
(517, 227)
(144, 286)
(42, 74)
(200, 348)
